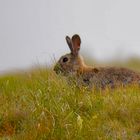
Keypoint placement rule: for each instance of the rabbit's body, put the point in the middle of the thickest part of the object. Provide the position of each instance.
(109, 77)
(73, 65)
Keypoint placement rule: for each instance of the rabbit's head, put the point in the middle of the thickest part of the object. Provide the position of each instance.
(70, 63)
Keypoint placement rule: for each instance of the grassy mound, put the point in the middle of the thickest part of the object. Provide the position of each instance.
(40, 105)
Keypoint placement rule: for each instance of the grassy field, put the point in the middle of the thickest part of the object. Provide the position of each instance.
(38, 105)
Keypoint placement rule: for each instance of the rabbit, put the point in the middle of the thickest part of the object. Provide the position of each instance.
(72, 65)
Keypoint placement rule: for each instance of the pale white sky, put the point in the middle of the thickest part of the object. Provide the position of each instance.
(33, 31)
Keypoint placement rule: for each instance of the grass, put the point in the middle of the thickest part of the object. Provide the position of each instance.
(41, 105)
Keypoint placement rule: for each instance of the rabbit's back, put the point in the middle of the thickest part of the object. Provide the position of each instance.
(111, 77)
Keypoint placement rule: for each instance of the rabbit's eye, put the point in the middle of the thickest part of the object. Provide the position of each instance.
(65, 59)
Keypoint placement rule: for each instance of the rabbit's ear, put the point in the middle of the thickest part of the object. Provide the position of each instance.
(69, 42)
(76, 42)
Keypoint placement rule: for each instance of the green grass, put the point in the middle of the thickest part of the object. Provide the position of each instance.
(41, 105)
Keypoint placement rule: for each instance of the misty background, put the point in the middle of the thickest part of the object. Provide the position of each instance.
(33, 32)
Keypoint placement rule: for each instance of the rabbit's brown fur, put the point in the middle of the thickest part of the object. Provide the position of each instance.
(72, 64)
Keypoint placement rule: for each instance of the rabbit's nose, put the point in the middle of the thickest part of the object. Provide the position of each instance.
(57, 68)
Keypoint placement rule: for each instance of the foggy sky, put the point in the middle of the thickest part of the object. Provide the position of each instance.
(33, 31)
